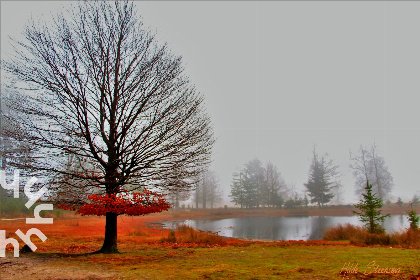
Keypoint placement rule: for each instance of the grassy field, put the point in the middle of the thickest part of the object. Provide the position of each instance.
(147, 254)
(253, 261)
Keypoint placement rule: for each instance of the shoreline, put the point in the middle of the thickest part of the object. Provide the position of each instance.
(226, 213)
(178, 217)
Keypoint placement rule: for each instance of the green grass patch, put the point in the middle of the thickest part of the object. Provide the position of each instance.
(256, 261)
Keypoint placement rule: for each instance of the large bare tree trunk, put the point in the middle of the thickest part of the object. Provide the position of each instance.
(110, 241)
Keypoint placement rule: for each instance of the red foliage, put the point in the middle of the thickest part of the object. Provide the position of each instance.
(133, 204)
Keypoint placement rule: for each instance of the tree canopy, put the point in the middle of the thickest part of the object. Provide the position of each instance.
(110, 110)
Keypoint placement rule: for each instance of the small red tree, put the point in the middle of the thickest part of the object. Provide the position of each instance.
(125, 203)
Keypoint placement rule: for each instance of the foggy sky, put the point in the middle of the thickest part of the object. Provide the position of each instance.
(279, 77)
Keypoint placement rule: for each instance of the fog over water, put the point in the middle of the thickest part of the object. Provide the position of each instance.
(283, 228)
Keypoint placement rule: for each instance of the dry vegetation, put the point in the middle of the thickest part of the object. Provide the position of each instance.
(187, 234)
(359, 235)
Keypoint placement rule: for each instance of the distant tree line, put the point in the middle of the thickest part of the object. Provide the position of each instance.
(296, 200)
(205, 194)
(256, 185)
(263, 186)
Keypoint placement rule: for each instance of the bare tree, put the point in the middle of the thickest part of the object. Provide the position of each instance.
(368, 166)
(104, 92)
(338, 194)
(176, 197)
(208, 190)
(214, 192)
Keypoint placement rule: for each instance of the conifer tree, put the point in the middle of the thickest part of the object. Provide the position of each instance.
(369, 213)
(323, 178)
(413, 219)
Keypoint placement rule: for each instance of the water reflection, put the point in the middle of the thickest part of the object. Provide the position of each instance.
(283, 228)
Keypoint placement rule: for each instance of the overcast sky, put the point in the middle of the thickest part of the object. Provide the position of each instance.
(279, 77)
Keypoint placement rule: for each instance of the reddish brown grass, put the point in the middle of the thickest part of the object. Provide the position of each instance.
(343, 232)
(190, 235)
(358, 235)
(77, 234)
(409, 237)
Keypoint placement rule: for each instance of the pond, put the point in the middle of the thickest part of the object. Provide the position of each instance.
(282, 228)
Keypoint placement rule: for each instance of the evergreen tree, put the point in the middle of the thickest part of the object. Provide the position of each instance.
(413, 219)
(305, 200)
(399, 202)
(277, 200)
(252, 181)
(369, 213)
(237, 192)
(295, 202)
(323, 178)
(256, 185)
(290, 204)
